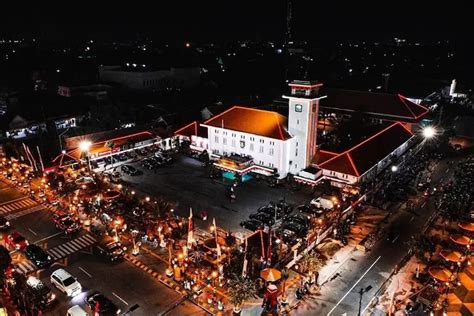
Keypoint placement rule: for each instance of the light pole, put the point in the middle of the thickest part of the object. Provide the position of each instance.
(362, 291)
(85, 146)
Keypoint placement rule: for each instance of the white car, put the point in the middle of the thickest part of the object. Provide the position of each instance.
(76, 310)
(65, 282)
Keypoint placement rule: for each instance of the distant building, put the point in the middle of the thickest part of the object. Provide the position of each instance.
(95, 91)
(142, 78)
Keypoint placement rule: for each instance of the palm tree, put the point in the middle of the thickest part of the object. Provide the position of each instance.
(240, 290)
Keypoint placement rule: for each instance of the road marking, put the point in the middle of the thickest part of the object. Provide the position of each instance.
(423, 204)
(370, 302)
(49, 237)
(395, 239)
(11, 201)
(355, 284)
(87, 273)
(337, 268)
(125, 302)
(32, 231)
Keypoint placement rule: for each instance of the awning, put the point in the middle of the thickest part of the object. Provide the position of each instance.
(441, 274)
(452, 256)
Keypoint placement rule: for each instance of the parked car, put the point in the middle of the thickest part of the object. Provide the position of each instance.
(65, 282)
(16, 241)
(130, 170)
(263, 218)
(271, 211)
(76, 310)
(322, 203)
(297, 228)
(113, 250)
(37, 255)
(251, 224)
(4, 223)
(122, 157)
(105, 306)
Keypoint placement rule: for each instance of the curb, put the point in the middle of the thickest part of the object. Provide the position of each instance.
(170, 284)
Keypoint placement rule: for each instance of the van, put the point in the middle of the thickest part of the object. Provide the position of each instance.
(76, 310)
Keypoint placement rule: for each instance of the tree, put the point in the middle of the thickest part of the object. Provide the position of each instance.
(312, 262)
(240, 290)
(5, 262)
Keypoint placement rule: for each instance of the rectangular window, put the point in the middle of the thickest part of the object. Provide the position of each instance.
(252, 139)
(260, 150)
(242, 136)
(271, 151)
(251, 146)
(297, 122)
(233, 134)
(217, 131)
(233, 143)
(271, 165)
(216, 139)
(224, 140)
(296, 152)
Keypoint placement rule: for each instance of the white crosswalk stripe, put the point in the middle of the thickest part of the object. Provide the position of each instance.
(71, 246)
(19, 204)
(25, 266)
(25, 212)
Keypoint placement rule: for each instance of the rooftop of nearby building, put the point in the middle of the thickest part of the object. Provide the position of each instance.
(192, 129)
(253, 121)
(380, 105)
(359, 159)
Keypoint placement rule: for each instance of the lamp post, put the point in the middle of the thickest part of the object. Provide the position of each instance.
(85, 146)
(362, 291)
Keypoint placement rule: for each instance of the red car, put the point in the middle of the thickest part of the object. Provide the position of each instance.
(17, 241)
(67, 224)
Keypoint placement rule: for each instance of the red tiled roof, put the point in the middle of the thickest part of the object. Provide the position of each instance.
(193, 128)
(323, 155)
(382, 105)
(360, 158)
(100, 147)
(253, 121)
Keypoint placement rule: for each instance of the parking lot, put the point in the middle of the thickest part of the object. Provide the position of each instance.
(185, 182)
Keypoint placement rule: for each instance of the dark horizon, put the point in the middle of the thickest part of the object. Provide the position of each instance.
(219, 22)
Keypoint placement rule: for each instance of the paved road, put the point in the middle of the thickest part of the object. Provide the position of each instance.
(186, 182)
(341, 295)
(123, 283)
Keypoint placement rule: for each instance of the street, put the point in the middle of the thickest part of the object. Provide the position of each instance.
(360, 271)
(79, 256)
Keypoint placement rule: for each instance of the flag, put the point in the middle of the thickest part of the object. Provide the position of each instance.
(244, 268)
(190, 228)
(215, 234)
(269, 250)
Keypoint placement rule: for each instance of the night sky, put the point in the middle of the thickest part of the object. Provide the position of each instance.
(229, 20)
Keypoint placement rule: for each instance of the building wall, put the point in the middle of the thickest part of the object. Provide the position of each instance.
(340, 176)
(267, 152)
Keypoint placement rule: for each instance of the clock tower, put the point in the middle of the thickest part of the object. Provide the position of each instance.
(303, 122)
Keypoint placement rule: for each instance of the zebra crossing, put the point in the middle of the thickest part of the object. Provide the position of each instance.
(72, 246)
(58, 252)
(25, 266)
(17, 204)
(24, 212)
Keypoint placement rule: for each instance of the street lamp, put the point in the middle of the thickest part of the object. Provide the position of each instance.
(429, 132)
(85, 146)
(147, 199)
(394, 168)
(361, 293)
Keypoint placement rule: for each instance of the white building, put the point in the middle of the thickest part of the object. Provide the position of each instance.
(246, 140)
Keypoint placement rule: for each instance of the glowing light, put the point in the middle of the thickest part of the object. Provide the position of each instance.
(394, 168)
(429, 132)
(147, 199)
(85, 145)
